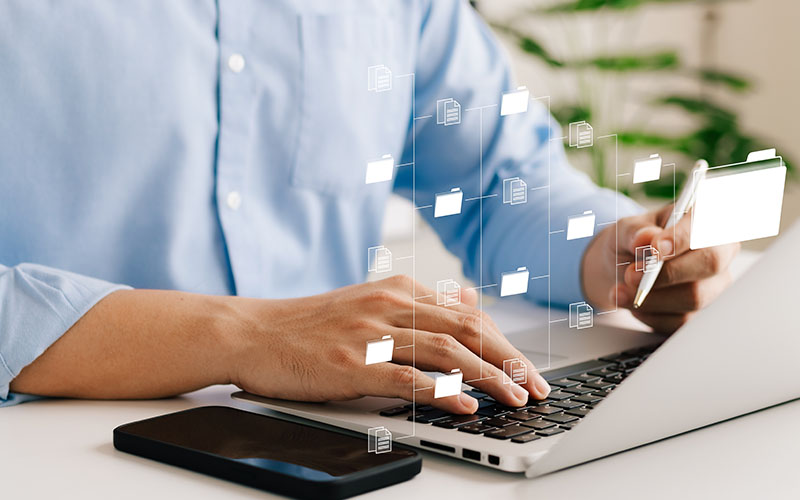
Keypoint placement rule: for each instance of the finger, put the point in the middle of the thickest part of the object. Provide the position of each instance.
(478, 332)
(630, 231)
(398, 381)
(696, 265)
(441, 352)
(674, 241)
(683, 298)
(663, 323)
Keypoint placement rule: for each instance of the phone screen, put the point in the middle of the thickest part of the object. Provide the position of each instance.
(265, 442)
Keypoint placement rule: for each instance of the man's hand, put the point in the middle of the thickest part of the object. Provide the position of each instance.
(689, 279)
(313, 348)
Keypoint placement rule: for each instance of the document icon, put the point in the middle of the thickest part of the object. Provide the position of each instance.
(647, 259)
(448, 112)
(515, 102)
(581, 315)
(380, 170)
(379, 78)
(515, 191)
(514, 282)
(648, 169)
(739, 202)
(580, 226)
(379, 440)
(448, 203)
(581, 135)
(448, 293)
(379, 259)
(515, 371)
(448, 384)
(380, 351)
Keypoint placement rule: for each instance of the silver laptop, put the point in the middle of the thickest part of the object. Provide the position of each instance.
(616, 389)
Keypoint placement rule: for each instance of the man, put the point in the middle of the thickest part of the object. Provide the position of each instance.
(184, 201)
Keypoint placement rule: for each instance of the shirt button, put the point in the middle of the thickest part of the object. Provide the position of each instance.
(234, 200)
(236, 63)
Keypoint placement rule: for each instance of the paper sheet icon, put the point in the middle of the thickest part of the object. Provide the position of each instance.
(379, 440)
(380, 351)
(380, 170)
(448, 384)
(448, 203)
(448, 112)
(379, 259)
(581, 315)
(514, 282)
(379, 78)
(648, 169)
(515, 101)
(581, 135)
(580, 226)
(514, 370)
(448, 293)
(515, 191)
(739, 202)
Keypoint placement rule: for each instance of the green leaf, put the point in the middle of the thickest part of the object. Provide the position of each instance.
(571, 113)
(663, 187)
(531, 46)
(699, 106)
(592, 5)
(733, 82)
(631, 62)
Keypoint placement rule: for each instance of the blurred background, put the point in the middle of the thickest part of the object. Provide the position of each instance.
(710, 79)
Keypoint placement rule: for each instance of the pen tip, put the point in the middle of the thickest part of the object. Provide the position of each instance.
(637, 301)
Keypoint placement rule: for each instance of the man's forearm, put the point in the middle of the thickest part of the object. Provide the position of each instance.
(139, 344)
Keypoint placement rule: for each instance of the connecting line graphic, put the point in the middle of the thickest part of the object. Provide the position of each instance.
(481, 287)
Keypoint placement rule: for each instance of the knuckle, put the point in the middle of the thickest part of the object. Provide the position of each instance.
(401, 280)
(696, 296)
(713, 261)
(403, 376)
(342, 356)
(471, 325)
(383, 297)
(444, 345)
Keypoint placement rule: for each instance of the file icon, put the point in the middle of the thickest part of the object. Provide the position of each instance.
(647, 259)
(448, 384)
(580, 226)
(581, 315)
(514, 282)
(448, 112)
(379, 440)
(448, 203)
(379, 259)
(515, 102)
(515, 371)
(380, 351)
(379, 78)
(648, 169)
(739, 202)
(448, 293)
(515, 191)
(581, 135)
(380, 170)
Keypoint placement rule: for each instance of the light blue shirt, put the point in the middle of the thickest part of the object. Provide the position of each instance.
(221, 148)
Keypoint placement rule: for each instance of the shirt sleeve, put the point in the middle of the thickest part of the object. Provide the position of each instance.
(459, 58)
(38, 305)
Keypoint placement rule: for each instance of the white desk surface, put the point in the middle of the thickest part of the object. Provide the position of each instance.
(63, 449)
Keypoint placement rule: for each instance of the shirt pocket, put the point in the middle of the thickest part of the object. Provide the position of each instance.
(343, 125)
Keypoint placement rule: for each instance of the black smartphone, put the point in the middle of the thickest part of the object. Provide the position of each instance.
(268, 453)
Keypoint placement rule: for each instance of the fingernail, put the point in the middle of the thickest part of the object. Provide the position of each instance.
(519, 392)
(664, 246)
(542, 387)
(467, 401)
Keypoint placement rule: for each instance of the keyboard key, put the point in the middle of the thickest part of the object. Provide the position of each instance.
(523, 416)
(577, 412)
(558, 395)
(568, 404)
(584, 377)
(454, 421)
(579, 390)
(620, 358)
(584, 367)
(410, 406)
(490, 411)
(508, 432)
(563, 382)
(525, 438)
(604, 372)
(550, 432)
(476, 394)
(478, 428)
(428, 417)
(393, 412)
(499, 422)
(598, 386)
(587, 399)
(545, 410)
(614, 379)
(567, 427)
(538, 425)
(561, 418)
(601, 394)
(538, 402)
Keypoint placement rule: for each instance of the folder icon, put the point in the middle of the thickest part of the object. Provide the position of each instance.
(448, 293)
(648, 169)
(515, 371)
(581, 315)
(515, 101)
(515, 191)
(739, 202)
(379, 440)
(380, 351)
(380, 170)
(379, 78)
(580, 226)
(448, 203)
(514, 282)
(379, 259)
(448, 384)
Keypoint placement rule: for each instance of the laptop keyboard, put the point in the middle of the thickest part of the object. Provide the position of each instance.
(576, 390)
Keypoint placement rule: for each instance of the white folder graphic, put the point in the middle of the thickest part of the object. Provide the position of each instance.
(739, 202)
(514, 282)
(448, 203)
(648, 169)
(515, 101)
(580, 226)
(380, 170)
(380, 351)
(448, 384)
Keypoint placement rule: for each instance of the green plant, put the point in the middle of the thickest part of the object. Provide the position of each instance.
(715, 132)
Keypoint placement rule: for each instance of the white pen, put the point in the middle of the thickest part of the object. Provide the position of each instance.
(683, 204)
